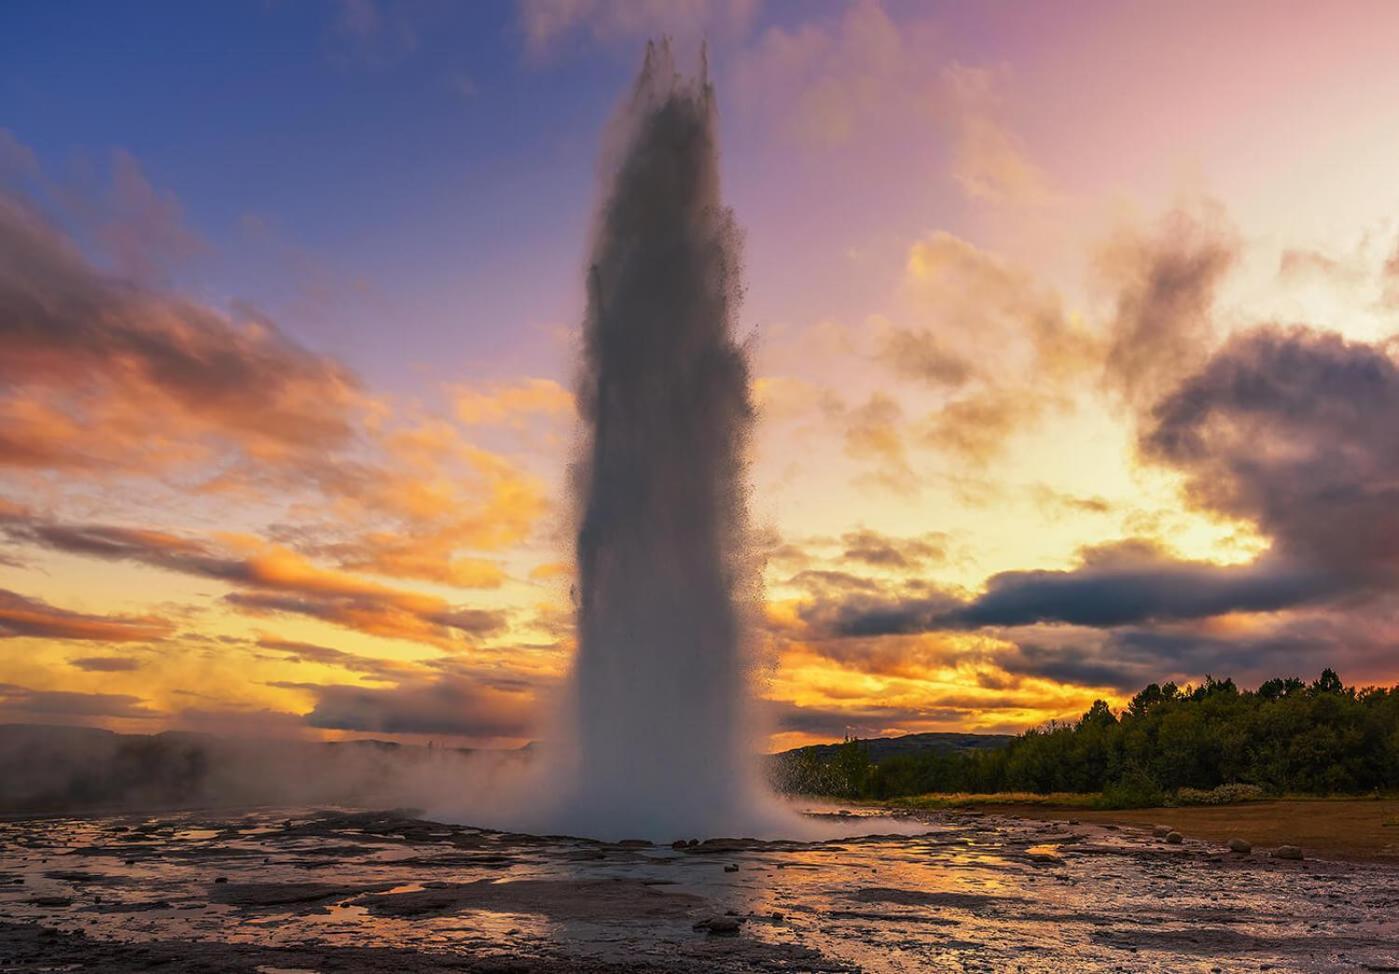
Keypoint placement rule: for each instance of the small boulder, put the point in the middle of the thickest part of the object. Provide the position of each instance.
(731, 868)
(1045, 858)
(1287, 852)
(1240, 846)
(1161, 831)
(1174, 837)
(724, 926)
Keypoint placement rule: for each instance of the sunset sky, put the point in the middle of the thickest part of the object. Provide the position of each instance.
(1075, 329)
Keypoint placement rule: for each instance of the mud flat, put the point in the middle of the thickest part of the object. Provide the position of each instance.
(1359, 829)
(300, 890)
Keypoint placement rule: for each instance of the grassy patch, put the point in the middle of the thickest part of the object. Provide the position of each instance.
(1059, 799)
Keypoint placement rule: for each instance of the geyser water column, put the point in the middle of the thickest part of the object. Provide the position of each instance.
(665, 580)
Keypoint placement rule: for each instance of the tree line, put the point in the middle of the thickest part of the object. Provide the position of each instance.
(1286, 737)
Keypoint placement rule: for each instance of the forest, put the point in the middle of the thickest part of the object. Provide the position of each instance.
(1170, 743)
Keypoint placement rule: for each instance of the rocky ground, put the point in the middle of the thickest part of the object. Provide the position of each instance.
(300, 891)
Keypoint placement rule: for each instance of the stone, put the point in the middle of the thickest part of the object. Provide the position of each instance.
(1240, 846)
(1174, 837)
(731, 868)
(724, 926)
(1161, 831)
(1287, 852)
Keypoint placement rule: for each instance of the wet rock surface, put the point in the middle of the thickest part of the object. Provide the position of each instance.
(344, 891)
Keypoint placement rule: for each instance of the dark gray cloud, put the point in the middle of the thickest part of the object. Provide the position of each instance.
(835, 722)
(106, 664)
(1160, 589)
(1294, 430)
(1115, 585)
(382, 669)
(1356, 638)
(1165, 280)
(879, 612)
(1083, 664)
(889, 551)
(22, 704)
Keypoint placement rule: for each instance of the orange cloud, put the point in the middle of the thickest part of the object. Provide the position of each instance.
(89, 363)
(270, 579)
(511, 404)
(550, 570)
(22, 616)
(433, 496)
(102, 377)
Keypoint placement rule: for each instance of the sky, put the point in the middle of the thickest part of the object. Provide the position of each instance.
(1074, 328)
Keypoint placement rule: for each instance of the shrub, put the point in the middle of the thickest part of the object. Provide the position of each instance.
(1135, 789)
(1223, 795)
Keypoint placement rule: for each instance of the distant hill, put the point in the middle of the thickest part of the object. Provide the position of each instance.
(881, 748)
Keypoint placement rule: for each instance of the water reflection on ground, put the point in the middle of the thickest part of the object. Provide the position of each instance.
(349, 891)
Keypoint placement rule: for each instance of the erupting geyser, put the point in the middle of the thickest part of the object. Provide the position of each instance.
(665, 577)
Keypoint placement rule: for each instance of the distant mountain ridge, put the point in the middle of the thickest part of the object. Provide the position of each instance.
(882, 748)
